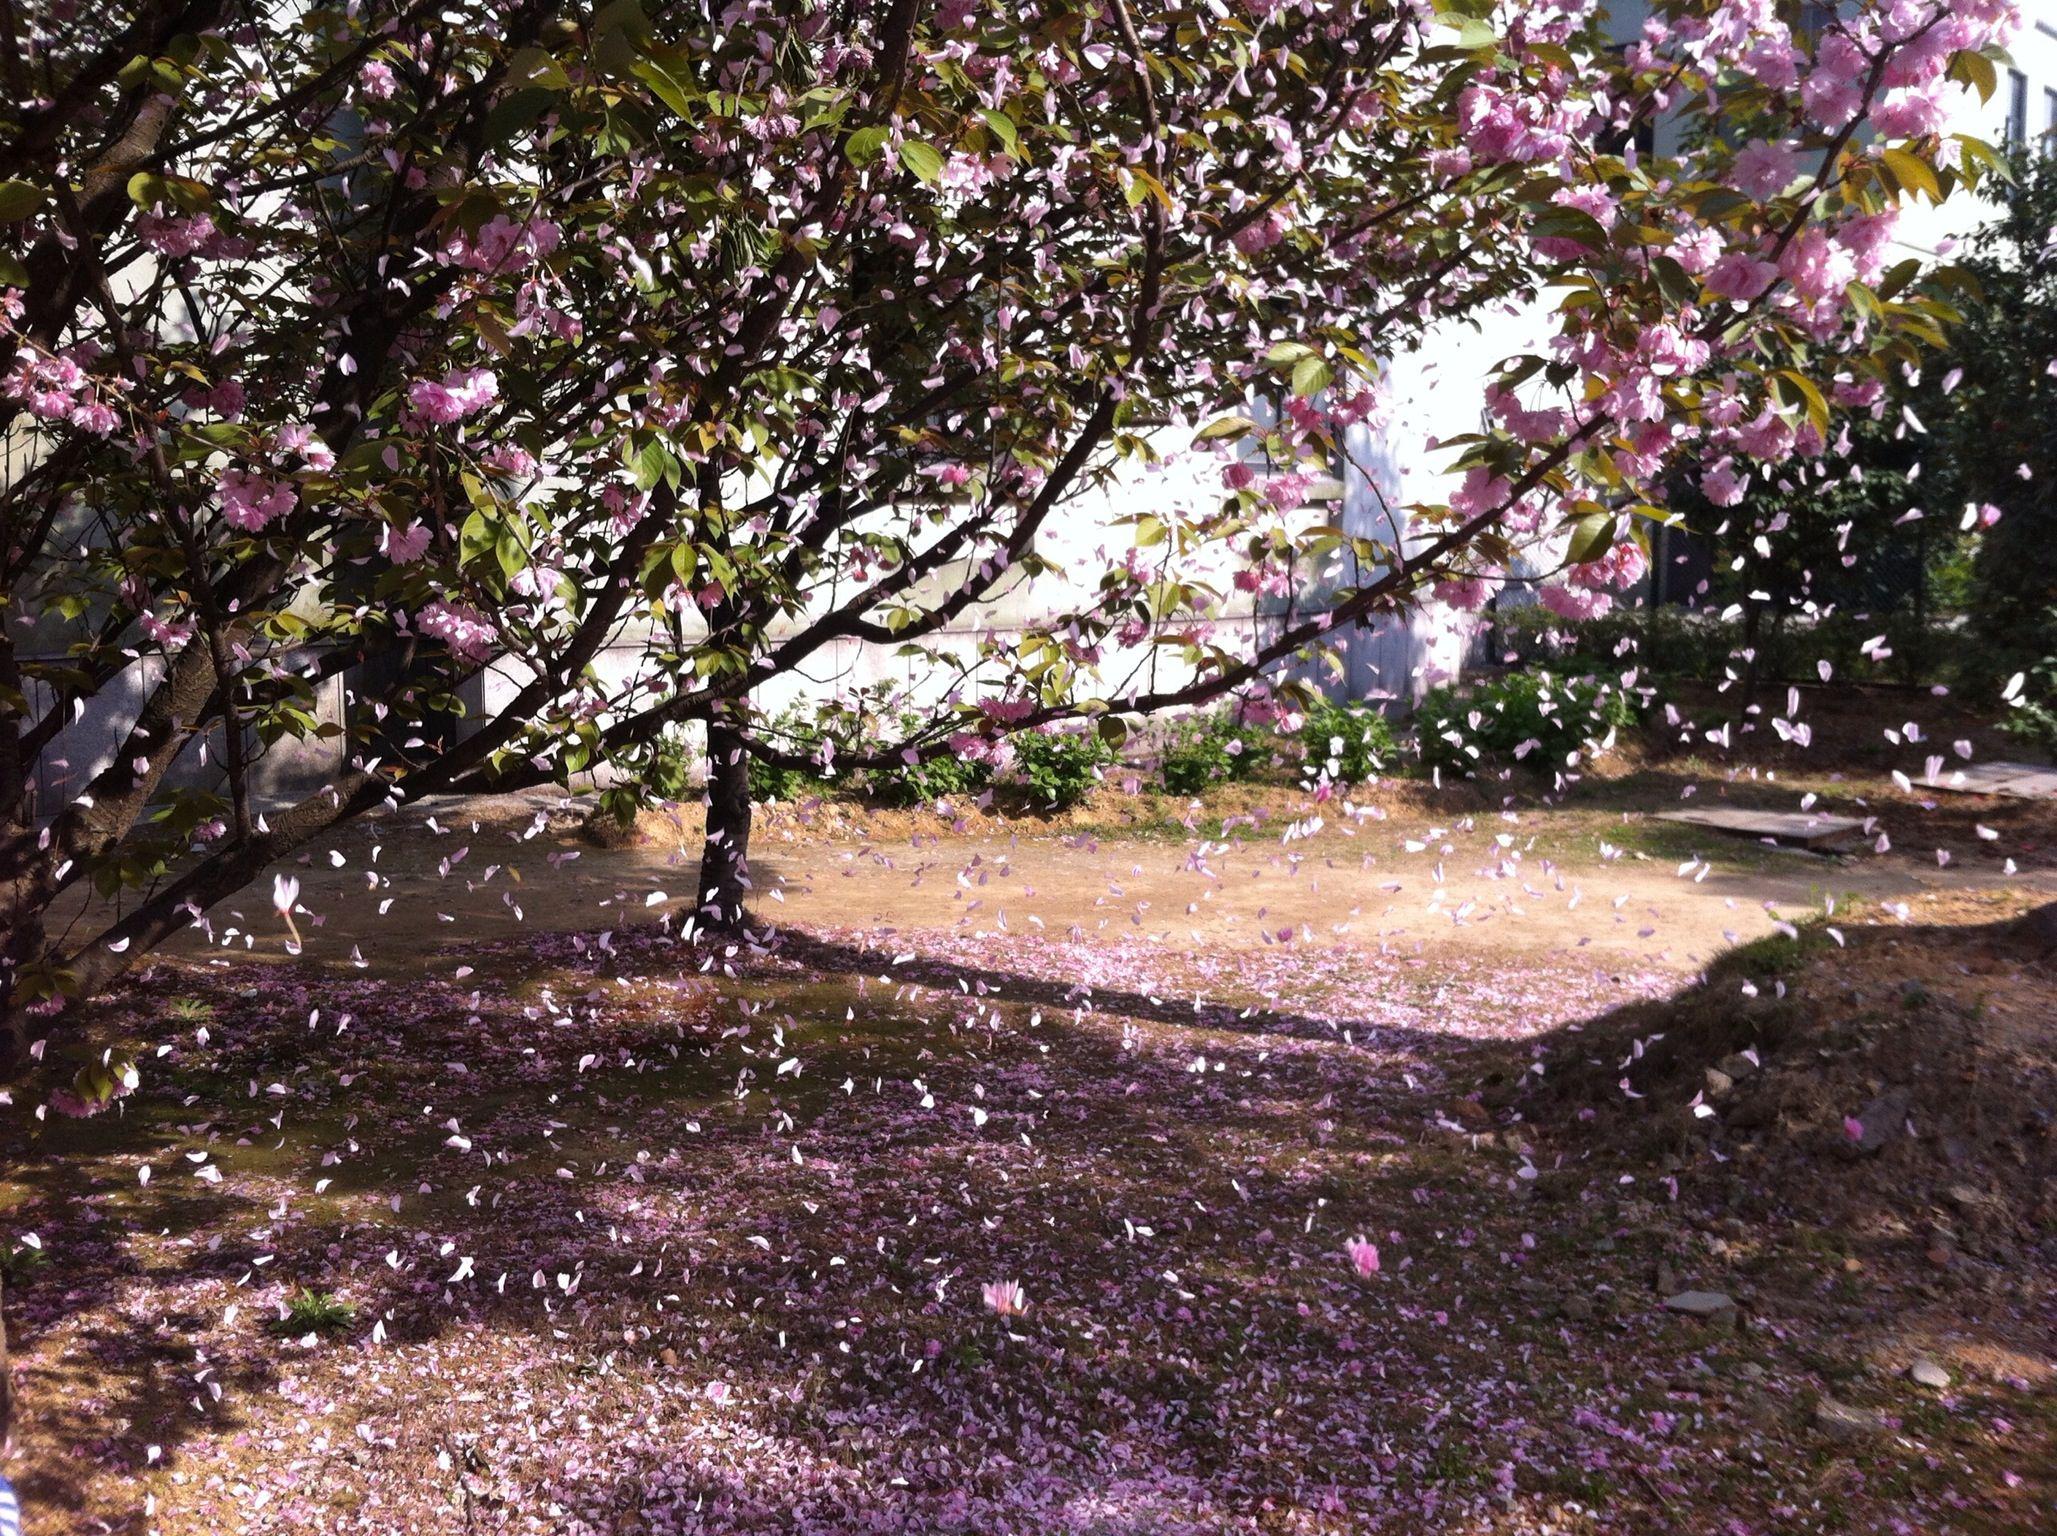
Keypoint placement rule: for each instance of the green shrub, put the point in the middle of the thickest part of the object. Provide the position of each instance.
(2032, 716)
(1058, 769)
(775, 781)
(1212, 749)
(791, 731)
(925, 783)
(1675, 643)
(1345, 743)
(1534, 718)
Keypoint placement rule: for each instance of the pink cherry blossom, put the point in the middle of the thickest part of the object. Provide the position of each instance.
(1721, 484)
(457, 395)
(403, 546)
(1764, 170)
(250, 501)
(1740, 276)
(461, 627)
(1006, 1298)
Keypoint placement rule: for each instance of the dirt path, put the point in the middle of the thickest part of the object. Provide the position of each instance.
(394, 898)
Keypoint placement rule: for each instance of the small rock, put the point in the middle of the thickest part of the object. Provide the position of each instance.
(669, 1357)
(1735, 1066)
(1700, 1303)
(1718, 1081)
(1926, 1373)
(1575, 1309)
(1964, 1197)
(1840, 1421)
(1882, 1119)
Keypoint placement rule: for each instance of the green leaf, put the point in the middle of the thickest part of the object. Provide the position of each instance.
(148, 191)
(923, 160)
(477, 492)
(18, 199)
(1717, 202)
(1575, 224)
(653, 462)
(1989, 159)
(1591, 537)
(1913, 173)
(477, 537)
(1673, 281)
(517, 112)
(1311, 375)
(1226, 426)
(663, 86)
(1976, 71)
(532, 66)
(1142, 184)
(508, 550)
(1472, 32)
(1898, 277)
(1003, 129)
(1801, 391)
(1525, 368)
(865, 144)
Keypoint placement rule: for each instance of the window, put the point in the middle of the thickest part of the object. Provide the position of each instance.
(1815, 19)
(2017, 109)
(1640, 132)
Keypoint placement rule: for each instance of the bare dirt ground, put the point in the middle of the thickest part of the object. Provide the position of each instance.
(634, 1234)
(1398, 865)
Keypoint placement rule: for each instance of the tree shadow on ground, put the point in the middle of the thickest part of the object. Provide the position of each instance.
(1127, 1136)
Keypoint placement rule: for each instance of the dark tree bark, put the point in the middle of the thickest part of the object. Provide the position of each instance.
(6, 1376)
(20, 946)
(725, 856)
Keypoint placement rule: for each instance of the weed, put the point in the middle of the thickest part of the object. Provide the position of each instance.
(19, 1261)
(310, 1311)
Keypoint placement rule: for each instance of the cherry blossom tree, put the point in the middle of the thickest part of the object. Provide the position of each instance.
(428, 346)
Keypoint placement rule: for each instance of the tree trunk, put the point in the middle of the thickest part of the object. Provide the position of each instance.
(6, 1376)
(21, 945)
(1753, 645)
(725, 857)
(23, 897)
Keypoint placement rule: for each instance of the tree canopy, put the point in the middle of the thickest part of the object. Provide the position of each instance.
(418, 343)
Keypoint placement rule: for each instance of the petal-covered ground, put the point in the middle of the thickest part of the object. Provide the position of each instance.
(634, 1235)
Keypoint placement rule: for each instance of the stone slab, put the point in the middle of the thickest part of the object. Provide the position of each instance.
(1803, 831)
(2023, 781)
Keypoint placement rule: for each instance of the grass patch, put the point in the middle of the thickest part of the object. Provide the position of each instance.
(1774, 955)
